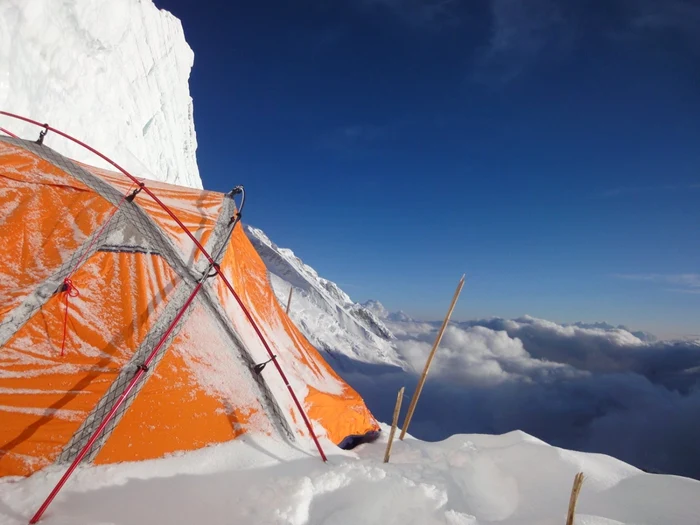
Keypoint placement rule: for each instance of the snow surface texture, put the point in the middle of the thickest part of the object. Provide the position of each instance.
(593, 387)
(113, 74)
(511, 479)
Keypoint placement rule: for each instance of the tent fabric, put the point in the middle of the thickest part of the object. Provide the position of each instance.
(133, 268)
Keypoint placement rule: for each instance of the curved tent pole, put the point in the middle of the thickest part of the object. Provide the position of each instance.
(6, 132)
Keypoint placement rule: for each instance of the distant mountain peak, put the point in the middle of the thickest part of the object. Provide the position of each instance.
(400, 317)
(380, 311)
(376, 308)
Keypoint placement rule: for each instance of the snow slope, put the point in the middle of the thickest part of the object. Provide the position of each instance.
(111, 73)
(325, 314)
(511, 479)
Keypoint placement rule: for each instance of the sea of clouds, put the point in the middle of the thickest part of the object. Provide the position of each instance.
(590, 387)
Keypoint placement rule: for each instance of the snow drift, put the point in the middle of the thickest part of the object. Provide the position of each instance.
(511, 479)
(112, 73)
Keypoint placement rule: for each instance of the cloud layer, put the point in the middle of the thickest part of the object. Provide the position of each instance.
(680, 282)
(588, 387)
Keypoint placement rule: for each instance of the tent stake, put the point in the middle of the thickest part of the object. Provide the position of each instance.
(575, 491)
(289, 299)
(421, 382)
(395, 422)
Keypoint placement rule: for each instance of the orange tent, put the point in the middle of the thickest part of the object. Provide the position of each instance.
(95, 276)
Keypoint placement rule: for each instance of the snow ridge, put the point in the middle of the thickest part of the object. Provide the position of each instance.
(511, 479)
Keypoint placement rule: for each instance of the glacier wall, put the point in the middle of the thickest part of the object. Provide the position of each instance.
(113, 73)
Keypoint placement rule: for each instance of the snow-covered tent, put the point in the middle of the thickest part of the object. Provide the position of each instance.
(116, 326)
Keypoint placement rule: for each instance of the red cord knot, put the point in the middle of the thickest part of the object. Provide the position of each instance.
(69, 288)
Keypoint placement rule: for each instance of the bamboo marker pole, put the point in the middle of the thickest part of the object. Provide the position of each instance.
(395, 422)
(575, 491)
(421, 382)
(289, 299)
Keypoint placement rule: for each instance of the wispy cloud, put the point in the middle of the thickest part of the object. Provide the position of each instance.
(680, 16)
(355, 138)
(421, 13)
(527, 32)
(628, 190)
(364, 133)
(680, 282)
(522, 33)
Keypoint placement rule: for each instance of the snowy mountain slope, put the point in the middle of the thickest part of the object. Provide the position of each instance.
(510, 479)
(112, 73)
(324, 313)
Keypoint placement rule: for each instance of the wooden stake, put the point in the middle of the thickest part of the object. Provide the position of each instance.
(289, 299)
(395, 422)
(421, 382)
(575, 491)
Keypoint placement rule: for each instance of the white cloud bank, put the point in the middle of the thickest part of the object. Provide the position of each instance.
(680, 282)
(587, 387)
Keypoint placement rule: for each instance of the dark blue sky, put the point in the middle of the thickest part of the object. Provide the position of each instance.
(549, 149)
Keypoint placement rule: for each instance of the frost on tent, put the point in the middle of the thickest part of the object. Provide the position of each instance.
(138, 288)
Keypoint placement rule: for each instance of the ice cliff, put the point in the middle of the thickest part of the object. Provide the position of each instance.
(114, 74)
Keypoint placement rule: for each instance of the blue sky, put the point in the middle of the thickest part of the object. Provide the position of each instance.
(549, 149)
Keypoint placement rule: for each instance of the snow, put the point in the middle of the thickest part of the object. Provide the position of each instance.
(511, 479)
(114, 74)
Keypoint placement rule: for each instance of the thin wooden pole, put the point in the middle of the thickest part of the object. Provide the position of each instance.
(289, 299)
(421, 382)
(575, 491)
(395, 422)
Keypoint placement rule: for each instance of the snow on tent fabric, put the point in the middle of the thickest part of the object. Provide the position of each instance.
(131, 266)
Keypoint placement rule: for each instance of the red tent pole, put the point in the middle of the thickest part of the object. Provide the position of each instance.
(137, 377)
(122, 170)
(8, 133)
(277, 365)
